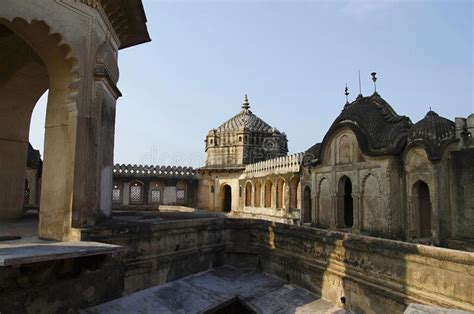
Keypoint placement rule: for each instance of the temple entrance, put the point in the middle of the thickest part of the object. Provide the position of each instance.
(422, 204)
(307, 218)
(345, 204)
(226, 198)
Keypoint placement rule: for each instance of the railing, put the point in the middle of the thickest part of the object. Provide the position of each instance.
(290, 163)
(152, 171)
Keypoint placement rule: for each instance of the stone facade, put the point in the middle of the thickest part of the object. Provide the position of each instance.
(374, 173)
(148, 187)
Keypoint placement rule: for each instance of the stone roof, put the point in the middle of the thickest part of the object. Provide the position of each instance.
(312, 154)
(379, 129)
(246, 120)
(432, 132)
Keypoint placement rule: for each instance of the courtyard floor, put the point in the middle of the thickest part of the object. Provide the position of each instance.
(261, 292)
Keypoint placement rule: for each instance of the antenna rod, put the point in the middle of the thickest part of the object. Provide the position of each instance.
(360, 86)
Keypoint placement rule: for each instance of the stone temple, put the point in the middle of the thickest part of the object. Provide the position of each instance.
(376, 216)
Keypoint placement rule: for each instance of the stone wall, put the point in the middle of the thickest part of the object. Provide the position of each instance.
(372, 275)
(62, 285)
(160, 252)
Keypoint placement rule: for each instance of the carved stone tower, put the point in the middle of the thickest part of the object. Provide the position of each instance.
(244, 139)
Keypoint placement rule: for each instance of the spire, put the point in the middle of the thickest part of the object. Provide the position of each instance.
(245, 104)
(346, 92)
(374, 79)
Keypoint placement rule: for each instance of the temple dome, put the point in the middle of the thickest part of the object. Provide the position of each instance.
(246, 120)
(434, 133)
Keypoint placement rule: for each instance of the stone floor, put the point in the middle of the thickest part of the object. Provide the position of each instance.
(261, 292)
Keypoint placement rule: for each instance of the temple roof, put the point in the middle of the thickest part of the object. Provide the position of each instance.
(246, 120)
(434, 133)
(379, 129)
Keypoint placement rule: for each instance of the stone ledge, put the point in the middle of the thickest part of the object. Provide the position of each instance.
(19, 254)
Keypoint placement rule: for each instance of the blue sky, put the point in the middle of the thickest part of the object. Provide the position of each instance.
(293, 59)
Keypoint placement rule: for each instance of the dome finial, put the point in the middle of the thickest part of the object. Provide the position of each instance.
(245, 104)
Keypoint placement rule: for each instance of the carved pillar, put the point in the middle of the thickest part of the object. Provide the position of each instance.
(357, 213)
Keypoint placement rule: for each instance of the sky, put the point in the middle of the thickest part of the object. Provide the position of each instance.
(293, 59)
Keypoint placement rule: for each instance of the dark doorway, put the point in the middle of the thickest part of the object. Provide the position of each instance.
(348, 204)
(227, 199)
(232, 306)
(424, 209)
(307, 205)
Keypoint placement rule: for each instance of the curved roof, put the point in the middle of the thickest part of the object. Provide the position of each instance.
(434, 133)
(246, 120)
(379, 129)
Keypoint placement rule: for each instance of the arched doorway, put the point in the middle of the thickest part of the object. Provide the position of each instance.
(226, 198)
(307, 218)
(280, 193)
(345, 206)
(258, 194)
(268, 193)
(295, 191)
(248, 194)
(422, 204)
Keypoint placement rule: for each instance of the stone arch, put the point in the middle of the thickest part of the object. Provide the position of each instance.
(295, 191)
(248, 194)
(280, 193)
(268, 193)
(226, 198)
(422, 209)
(117, 192)
(156, 192)
(46, 63)
(345, 203)
(181, 192)
(258, 193)
(136, 192)
(372, 210)
(344, 149)
(324, 202)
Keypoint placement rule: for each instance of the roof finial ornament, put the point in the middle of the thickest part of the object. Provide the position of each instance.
(374, 79)
(245, 104)
(346, 92)
(360, 88)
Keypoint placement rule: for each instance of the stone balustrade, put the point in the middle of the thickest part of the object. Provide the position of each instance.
(291, 163)
(122, 170)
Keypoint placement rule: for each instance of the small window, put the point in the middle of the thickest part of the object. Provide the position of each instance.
(212, 189)
(116, 194)
(180, 194)
(240, 138)
(156, 196)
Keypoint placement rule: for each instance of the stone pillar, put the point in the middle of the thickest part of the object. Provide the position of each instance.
(126, 193)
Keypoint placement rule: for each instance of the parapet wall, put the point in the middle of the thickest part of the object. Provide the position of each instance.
(371, 275)
(284, 164)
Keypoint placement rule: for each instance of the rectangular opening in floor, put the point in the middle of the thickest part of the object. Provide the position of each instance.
(233, 306)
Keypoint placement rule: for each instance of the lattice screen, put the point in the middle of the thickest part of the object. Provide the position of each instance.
(136, 193)
(180, 194)
(116, 195)
(156, 196)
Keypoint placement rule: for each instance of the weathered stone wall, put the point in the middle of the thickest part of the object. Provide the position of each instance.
(61, 286)
(373, 275)
(165, 251)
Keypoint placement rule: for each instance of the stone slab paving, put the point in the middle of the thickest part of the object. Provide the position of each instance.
(25, 253)
(262, 292)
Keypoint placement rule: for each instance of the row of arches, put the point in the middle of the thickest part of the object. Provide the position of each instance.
(371, 206)
(254, 197)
